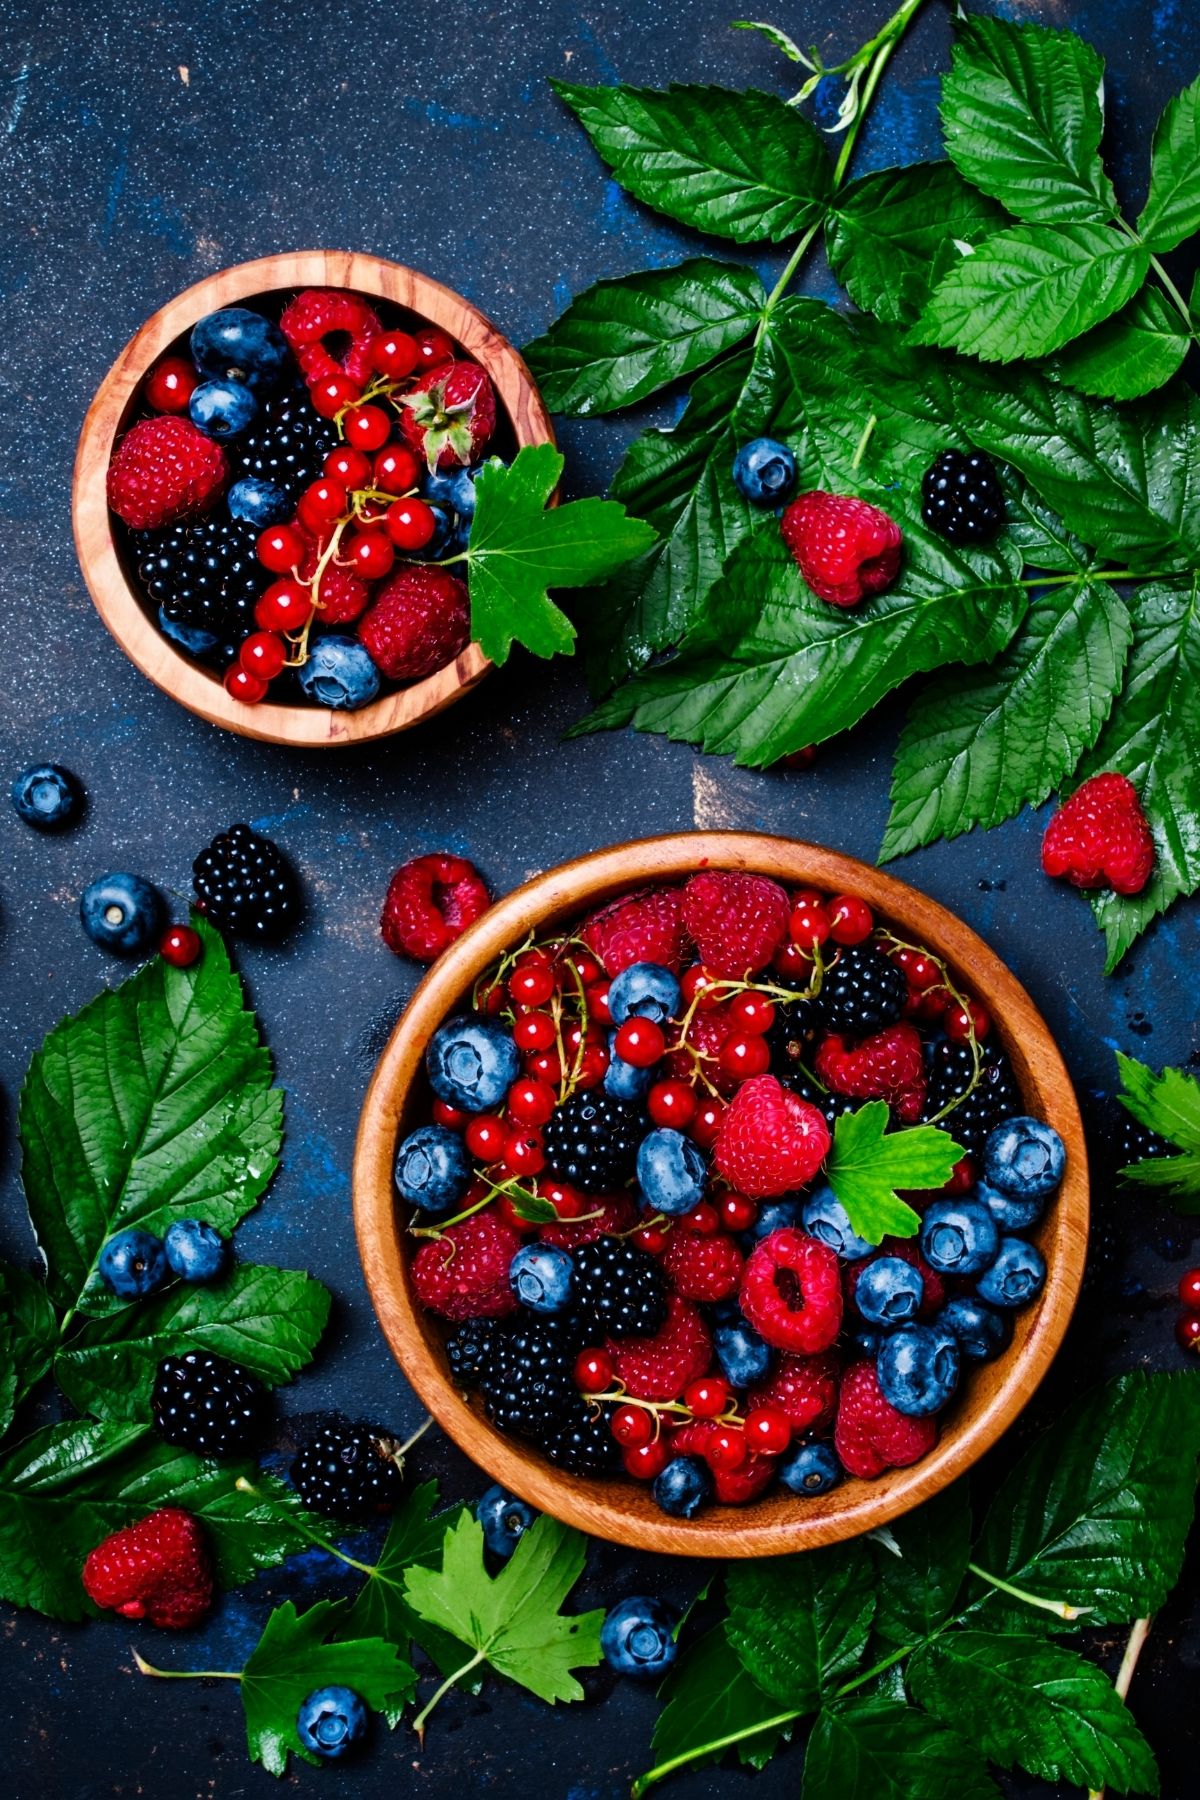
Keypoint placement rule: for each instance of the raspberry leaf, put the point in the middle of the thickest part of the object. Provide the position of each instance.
(1172, 210)
(800, 1624)
(1131, 354)
(886, 230)
(1168, 1104)
(867, 1164)
(8, 1374)
(708, 1698)
(921, 1565)
(869, 1748)
(32, 1326)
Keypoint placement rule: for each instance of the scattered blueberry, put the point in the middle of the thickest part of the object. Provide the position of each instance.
(1011, 1212)
(671, 1171)
(121, 912)
(810, 1469)
(504, 1518)
(917, 1368)
(682, 1487)
(331, 1721)
(622, 1080)
(1016, 1277)
(764, 472)
(339, 673)
(133, 1263)
(222, 408)
(774, 1215)
(258, 502)
(540, 1275)
(47, 797)
(1024, 1158)
(646, 991)
(239, 345)
(826, 1219)
(192, 638)
(433, 1169)
(745, 1358)
(889, 1291)
(981, 1332)
(472, 1063)
(958, 1236)
(638, 1637)
(194, 1250)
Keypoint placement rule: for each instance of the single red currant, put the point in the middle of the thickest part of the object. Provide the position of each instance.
(530, 1102)
(647, 1460)
(171, 385)
(241, 685)
(798, 759)
(348, 466)
(920, 971)
(672, 1103)
(286, 605)
(651, 1238)
(411, 524)
(180, 946)
(370, 554)
(534, 1031)
(530, 984)
(794, 964)
(394, 354)
(768, 1430)
(523, 1152)
(736, 1212)
(640, 1042)
(433, 348)
(597, 1002)
(698, 984)
(851, 920)
(322, 504)
(752, 1012)
(567, 1201)
(1187, 1331)
(586, 968)
(487, 1135)
(593, 1068)
(452, 1117)
(961, 1021)
(577, 1034)
(707, 1123)
(745, 1056)
(706, 1398)
(280, 548)
(367, 427)
(492, 1002)
(545, 1064)
(593, 1371)
(963, 1177)
(506, 1208)
(632, 1426)
(263, 654)
(703, 1219)
(809, 924)
(396, 469)
(1189, 1290)
(332, 394)
(726, 1448)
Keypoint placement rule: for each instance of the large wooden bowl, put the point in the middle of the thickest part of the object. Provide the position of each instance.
(116, 599)
(622, 1510)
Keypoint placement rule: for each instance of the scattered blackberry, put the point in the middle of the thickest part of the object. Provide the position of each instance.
(527, 1385)
(1136, 1142)
(205, 1404)
(792, 1036)
(468, 1349)
(996, 1096)
(592, 1141)
(961, 497)
(831, 1106)
(862, 992)
(585, 1445)
(204, 576)
(348, 1472)
(286, 444)
(246, 886)
(619, 1288)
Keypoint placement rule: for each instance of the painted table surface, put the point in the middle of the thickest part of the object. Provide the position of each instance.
(143, 148)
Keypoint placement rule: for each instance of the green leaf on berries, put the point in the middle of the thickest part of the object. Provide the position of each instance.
(33, 1328)
(1172, 210)
(1131, 354)
(1169, 1104)
(709, 1699)
(886, 230)
(1042, 538)
(921, 1564)
(868, 1748)
(867, 1164)
(800, 1624)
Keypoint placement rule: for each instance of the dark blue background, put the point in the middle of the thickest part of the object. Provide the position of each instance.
(428, 133)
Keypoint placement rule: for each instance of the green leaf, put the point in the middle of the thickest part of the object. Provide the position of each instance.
(885, 231)
(1034, 1705)
(512, 1620)
(1153, 737)
(152, 1104)
(782, 42)
(922, 1565)
(799, 1623)
(872, 1749)
(33, 1333)
(519, 548)
(709, 1698)
(1168, 1104)
(1030, 290)
(868, 1163)
(744, 166)
(1023, 114)
(1042, 538)
(291, 1659)
(1172, 210)
(622, 340)
(8, 1375)
(1131, 354)
(980, 743)
(267, 1320)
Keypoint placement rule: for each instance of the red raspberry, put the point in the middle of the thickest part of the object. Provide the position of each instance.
(1100, 837)
(702, 1268)
(449, 414)
(660, 1367)
(844, 548)
(644, 927)
(770, 1140)
(804, 1389)
(792, 1292)
(707, 1034)
(737, 921)
(164, 472)
(343, 596)
(618, 1215)
(870, 1435)
(421, 620)
(431, 901)
(158, 1570)
(319, 313)
(464, 1273)
(934, 1297)
(888, 1066)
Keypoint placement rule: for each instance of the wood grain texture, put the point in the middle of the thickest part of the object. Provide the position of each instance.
(121, 608)
(622, 1510)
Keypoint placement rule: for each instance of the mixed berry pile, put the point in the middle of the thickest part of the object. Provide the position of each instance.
(620, 1209)
(293, 491)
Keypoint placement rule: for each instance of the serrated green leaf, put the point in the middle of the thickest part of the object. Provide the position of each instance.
(867, 1164)
(866, 1748)
(801, 1623)
(8, 1374)
(922, 1569)
(1131, 354)
(780, 39)
(1041, 536)
(885, 231)
(981, 743)
(33, 1328)
(1169, 1104)
(1023, 114)
(744, 166)
(1172, 210)
(624, 339)
(708, 1699)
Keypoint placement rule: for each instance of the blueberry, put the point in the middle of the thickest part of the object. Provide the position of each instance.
(439, 488)
(1016, 1277)
(222, 408)
(239, 345)
(826, 1219)
(194, 1250)
(192, 638)
(505, 1520)
(889, 1291)
(47, 797)
(764, 472)
(810, 1469)
(443, 530)
(622, 1080)
(682, 1487)
(133, 1263)
(773, 1215)
(866, 1340)
(671, 1171)
(258, 502)
(331, 1721)
(638, 1637)
(744, 1357)
(339, 673)
(540, 1277)
(981, 1332)
(1024, 1158)
(472, 1063)
(1011, 1213)
(121, 912)
(917, 1368)
(958, 1236)
(433, 1169)
(647, 991)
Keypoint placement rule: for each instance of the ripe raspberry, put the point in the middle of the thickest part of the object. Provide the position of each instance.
(870, 1435)
(421, 620)
(804, 1389)
(163, 472)
(738, 921)
(158, 1570)
(770, 1140)
(707, 1035)
(644, 927)
(888, 1066)
(792, 1292)
(342, 595)
(617, 1213)
(660, 1367)
(319, 313)
(934, 1297)
(702, 1268)
(1100, 837)
(844, 548)
(430, 902)
(449, 415)
(464, 1273)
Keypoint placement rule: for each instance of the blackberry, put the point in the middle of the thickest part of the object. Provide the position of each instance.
(961, 497)
(592, 1141)
(585, 1445)
(286, 444)
(792, 1035)
(246, 886)
(995, 1097)
(205, 577)
(831, 1106)
(468, 1349)
(619, 1288)
(348, 1472)
(527, 1385)
(1136, 1142)
(862, 992)
(205, 1404)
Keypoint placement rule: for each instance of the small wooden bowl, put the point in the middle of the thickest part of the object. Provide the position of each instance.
(116, 599)
(622, 1510)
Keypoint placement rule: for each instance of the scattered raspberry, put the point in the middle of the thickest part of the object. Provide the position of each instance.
(844, 548)
(421, 620)
(871, 1436)
(1100, 837)
(734, 1487)
(449, 415)
(431, 901)
(792, 1292)
(804, 1389)
(905, 1248)
(888, 1066)
(319, 313)
(702, 1268)
(164, 472)
(618, 1215)
(738, 922)
(660, 1367)
(343, 595)
(464, 1273)
(157, 1570)
(770, 1140)
(645, 927)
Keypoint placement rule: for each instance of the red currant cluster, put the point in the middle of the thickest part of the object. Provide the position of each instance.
(642, 1427)
(1187, 1326)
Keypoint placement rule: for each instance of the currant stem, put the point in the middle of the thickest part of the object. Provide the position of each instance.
(422, 1718)
(399, 1455)
(305, 1529)
(1124, 1680)
(145, 1668)
(1061, 1609)
(1175, 295)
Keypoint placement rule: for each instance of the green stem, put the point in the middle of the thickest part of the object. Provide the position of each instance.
(145, 1668)
(1061, 1609)
(305, 1529)
(878, 1668)
(422, 1717)
(1184, 309)
(1083, 575)
(789, 269)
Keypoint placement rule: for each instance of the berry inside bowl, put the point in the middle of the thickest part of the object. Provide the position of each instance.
(269, 479)
(708, 1350)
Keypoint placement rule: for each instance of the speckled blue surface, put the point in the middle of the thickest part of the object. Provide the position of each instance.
(143, 148)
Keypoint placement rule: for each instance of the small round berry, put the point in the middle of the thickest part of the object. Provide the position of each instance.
(411, 524)
(523, 1152)
(744, 1057)
(672, 1103)
(531, 984)
(286, 605)
(704, 1220)
(963, 1022)
(706, 1125)
(809, 924)
(920, 971)
(811, 1469)
(638, 1637)
(632, 1426)
(752, 1013)
(683, 1487)
(768, 1431)
(367, 427)
(651, 1238)
(593, 1371)
(330, 1722)
(331, 395)
(194, 1251)
(370, 554)
(1189, 1289)
(452, 1117)
(640, 1042)
(263, 654)
(506, 1208)
(180, 946)
(121, 912)
(531, 1102)
(540, 1276)
(545, 1064)
(396, 469)
(646, 1462)
(697, 986)
(280, 548)
(593, 1068)
(350, 468)
(706, 1398)
(322, 503)
(586, 968)
(726, 1449)
(1187, 1331)
(394, 354)
(487, 1136)
(851, 920)
(46, 797)
(433, 348)
(597, 1002)
(793, 964)
(241, 685)
(534, 1031)
(736, 1212)
(171, 385)
(133, 1263)
(504, 1519)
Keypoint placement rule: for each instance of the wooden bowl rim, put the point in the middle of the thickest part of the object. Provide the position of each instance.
(622, 1511)
(120, 607)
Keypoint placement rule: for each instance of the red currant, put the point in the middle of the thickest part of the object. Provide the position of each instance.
(545, 1064)
(531, 985)
(736, 1212)
(809, 924)
(631, 1426)
(1187, 1331)
(850, 919)
(793, 963)
(523, 1152)
(1189, 1289)
(506, 1208)
(703, 1219)
(180, 946)
(726, 1448)
(332, 394)
(745, 1056)
(396, 469)
(280, 548)
(487, 1135)
(285, 606)
(241, 685)
(920, 971)
(647, 1460)
(530, 1102)
(768, 1430)
(586, 968)
(492, 1002)
(697, 984)
(672, 1103)
(367, 427)
(394, 355)
(593, 1371)
(171, 385)
(263, 654)
(433, 348)
(348, 466)
(577, 1034)
(452, 1117)
(597, 1002)
(753, 1012)
(963, 1177)
(961, 1021)
(593, 1067)
(640, 1042)
(370, 554)
(651, 1238)
(410, 524)
(707, 1123)
(706, 1398)
(534, 1031)
(322, 503)
(567, 1201)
